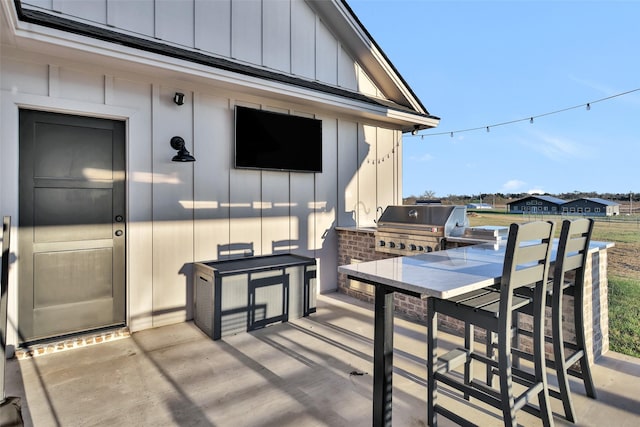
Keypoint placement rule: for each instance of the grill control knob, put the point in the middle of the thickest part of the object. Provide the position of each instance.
(381, 243)
(412, 247)
(402, 246)
(421, 248)
(392, 245)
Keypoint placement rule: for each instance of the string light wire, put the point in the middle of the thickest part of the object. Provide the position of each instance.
(528, 118)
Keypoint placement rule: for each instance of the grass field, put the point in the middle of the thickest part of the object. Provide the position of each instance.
(623, 271)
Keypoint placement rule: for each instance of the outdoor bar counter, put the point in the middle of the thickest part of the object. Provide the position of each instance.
(448, 273)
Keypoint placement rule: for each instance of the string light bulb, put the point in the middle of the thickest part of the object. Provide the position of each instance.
(588, 106)
(531, 120)
(487, 129)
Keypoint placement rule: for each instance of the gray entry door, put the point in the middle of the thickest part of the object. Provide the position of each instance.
(71, 224)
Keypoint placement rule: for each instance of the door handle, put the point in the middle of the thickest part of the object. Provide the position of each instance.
(119, 218)
(118, 233)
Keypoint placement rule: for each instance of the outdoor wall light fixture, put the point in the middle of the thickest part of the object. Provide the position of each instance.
(178, 98)
(414, 132)
(177, 143)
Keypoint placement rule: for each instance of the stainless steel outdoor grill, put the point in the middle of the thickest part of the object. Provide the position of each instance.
(414, 229)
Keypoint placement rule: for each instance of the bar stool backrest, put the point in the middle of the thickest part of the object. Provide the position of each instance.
(526, 260)
(575, 237)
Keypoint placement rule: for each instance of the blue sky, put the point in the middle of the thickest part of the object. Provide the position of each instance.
(479, 63)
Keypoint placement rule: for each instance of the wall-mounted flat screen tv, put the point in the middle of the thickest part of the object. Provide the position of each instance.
(275, 141)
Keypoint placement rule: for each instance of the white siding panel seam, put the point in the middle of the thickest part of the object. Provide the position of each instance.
(54, 80)
(108, 89)
(262, 33)
(315, 47)
(155, 21)
(194, 34)
(337, 65)
(230, 39)
(155, 97)
(290, 70)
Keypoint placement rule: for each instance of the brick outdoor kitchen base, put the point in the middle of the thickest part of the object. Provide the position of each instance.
(358, 245)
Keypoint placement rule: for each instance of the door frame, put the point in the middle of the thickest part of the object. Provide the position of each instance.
(70, 310)
(140, 161)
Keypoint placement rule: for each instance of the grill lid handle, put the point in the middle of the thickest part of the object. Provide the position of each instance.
(413, 213)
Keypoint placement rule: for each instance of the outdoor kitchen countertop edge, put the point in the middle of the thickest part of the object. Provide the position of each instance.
(371, 229)
(443, 274)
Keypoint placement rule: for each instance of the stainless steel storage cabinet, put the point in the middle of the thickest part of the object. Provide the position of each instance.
(249, 293)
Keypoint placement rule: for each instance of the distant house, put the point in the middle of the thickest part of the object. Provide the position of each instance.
(591, 206)
(536, 204)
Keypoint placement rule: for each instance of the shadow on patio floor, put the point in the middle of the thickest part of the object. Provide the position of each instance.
(310, 372)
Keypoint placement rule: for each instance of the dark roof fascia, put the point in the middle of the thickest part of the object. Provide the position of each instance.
(395, 70)
(548, 199)
(596, 200)
(551, 199)
(67, 25)
(602, 201)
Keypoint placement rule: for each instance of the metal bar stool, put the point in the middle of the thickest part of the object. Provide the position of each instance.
(568, 279)
(526, 262)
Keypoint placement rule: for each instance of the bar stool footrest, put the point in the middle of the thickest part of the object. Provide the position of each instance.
(454, 417)
(574, 358)
(451, 360)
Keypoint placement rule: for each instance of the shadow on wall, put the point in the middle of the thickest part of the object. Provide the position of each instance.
(235, 250)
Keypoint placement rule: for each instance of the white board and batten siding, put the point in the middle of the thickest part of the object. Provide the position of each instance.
(141, 178)
(178, 213)
(325, 206)
(283, 35)
(211, 199)
(172, 221)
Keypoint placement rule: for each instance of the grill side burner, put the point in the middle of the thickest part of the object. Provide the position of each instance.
(414, 229)
(486, 232)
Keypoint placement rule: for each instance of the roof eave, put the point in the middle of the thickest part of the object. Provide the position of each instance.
(42, 27)
(370, 56)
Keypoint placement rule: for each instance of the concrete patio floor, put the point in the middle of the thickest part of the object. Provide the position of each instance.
(314, 371)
